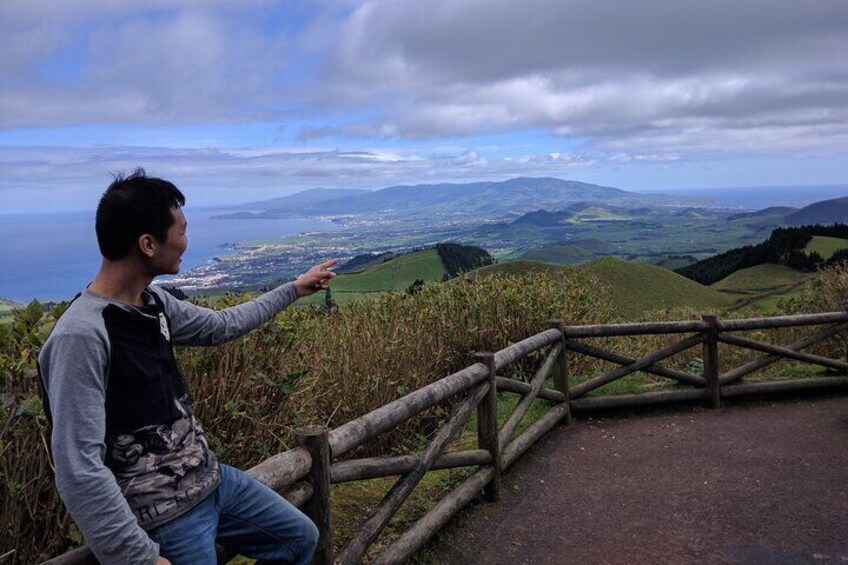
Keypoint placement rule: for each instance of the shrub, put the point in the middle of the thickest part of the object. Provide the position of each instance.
(304, 367)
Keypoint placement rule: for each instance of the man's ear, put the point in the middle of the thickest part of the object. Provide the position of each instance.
(147, 245)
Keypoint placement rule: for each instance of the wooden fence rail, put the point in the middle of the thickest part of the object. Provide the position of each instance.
(304, 475)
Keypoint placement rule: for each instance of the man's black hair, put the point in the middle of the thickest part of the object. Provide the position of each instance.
(131, 207)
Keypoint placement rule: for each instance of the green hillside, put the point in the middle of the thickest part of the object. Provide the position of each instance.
(516, 267)
(635, 287)
(558, 254)
(639, 287)
(762, 277)
(7, 308)
(395, 275)
(825, 246)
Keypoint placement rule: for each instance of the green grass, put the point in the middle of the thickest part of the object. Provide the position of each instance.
(673, 263)
(517, 267)
(639, 287)
(558, 254)
(770, 304)
(395, 275)
(635, 287)
(761, 277)
(825, 246)
(6, 313)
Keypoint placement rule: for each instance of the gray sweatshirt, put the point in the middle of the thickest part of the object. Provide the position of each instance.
(75, 365)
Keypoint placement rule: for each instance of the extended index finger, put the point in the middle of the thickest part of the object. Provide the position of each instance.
(328, 264)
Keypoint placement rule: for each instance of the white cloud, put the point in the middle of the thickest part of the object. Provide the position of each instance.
(76, 177)
(154, 63)
(594, 69)
(696, 80)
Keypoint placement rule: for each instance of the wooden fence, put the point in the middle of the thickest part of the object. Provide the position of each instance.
(304, 475)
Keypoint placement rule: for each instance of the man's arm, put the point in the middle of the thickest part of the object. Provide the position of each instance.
(76, 386)
(196, 325)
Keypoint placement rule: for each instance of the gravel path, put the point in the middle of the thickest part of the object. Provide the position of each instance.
(760, 482)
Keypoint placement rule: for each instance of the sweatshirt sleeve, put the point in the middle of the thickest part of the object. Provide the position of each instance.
(196, 325)
(76, 388)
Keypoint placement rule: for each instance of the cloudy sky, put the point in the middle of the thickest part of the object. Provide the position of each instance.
(239, 101)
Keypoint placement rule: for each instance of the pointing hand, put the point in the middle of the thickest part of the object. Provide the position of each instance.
(315, 279)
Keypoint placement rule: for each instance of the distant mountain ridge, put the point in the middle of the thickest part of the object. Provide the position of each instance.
(518, 195)
(834, 211)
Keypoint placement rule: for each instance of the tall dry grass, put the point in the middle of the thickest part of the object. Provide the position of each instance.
(305, 367)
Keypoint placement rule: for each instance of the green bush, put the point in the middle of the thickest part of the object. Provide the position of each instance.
(305, 367)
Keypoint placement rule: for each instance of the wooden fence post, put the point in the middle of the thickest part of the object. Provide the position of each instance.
(711, 371)
(316, 441)
(561, 372)
(487, 426)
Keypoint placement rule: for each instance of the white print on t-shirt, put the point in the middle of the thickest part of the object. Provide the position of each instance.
(163, 327)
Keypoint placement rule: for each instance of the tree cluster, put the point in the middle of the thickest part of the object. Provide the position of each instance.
(784, 247)
(459, 258)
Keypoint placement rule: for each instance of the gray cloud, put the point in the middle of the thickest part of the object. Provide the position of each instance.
(160, 63)
(75, 177)
(649, 77)
(594, 69)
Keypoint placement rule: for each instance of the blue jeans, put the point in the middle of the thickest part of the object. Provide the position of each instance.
(244, 516)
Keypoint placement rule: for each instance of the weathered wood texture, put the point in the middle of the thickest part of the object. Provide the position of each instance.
(380, 516)
(317, 507)
(79, 556)
(561, 369)
(412, 539)
(783, 352)
(641, 328)
(487, 426)
(532, 433)
(782, 321)
(367, 427)
(613, 357)
(524, 347)
(710, 356)
(641, 399)
(739, 372)
(283, 471)
(374, 467)
(638, 365)
(518, 387)
(524, 404)
(785, 386)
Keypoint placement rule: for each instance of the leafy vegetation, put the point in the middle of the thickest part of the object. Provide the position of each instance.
(462, 258)
(825, 246)
(328, 367)
(762, 277)
(396, 275)
(305, 367)
(638, 287)
(785, 246)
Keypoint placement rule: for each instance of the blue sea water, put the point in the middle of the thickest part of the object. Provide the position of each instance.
(757, 198)
(53, 256)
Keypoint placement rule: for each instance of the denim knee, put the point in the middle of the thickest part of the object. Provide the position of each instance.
(310, 538)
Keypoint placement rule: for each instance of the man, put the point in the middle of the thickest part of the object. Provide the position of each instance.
(132, 464)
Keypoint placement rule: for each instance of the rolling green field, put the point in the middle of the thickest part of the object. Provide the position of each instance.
(825, 246)
(761, 277)
(395, 275)
(769, 304)
(635, 287)
(639, 287)
(558, 254)
(516, 267)
(6, 309)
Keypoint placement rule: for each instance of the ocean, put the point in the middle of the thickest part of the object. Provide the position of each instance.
(53, 256)
(757, 198)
